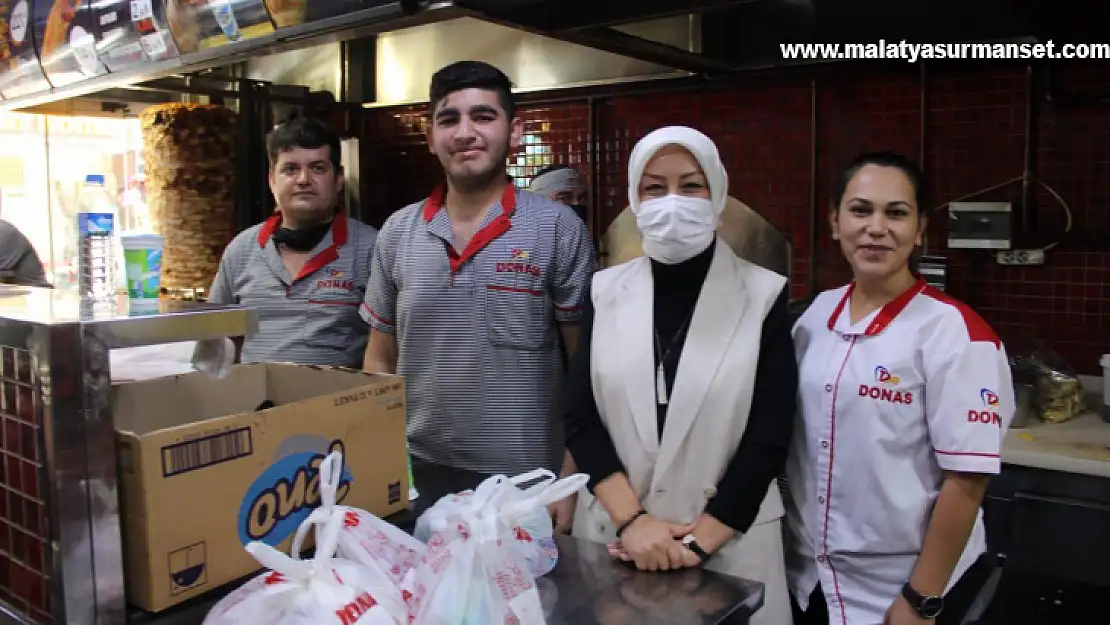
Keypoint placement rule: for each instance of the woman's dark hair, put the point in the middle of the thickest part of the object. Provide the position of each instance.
(471, 75)
(882, 159)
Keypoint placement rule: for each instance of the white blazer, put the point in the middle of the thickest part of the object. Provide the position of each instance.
(708, 412)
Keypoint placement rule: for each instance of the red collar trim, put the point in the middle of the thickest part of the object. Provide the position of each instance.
(338, 229)
(485, 235)
(268, 228)
(435, 201)
(886, 314)
(326, 256)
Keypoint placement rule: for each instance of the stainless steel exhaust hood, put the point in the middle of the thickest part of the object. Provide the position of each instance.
(746, 34)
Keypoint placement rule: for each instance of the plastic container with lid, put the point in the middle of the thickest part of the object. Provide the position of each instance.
(142, 265)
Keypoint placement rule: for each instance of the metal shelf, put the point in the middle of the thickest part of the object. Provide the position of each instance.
(385, 17)
(121, 325)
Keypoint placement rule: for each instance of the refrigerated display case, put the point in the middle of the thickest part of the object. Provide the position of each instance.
(200, 24)
(132, 32)
(287, 13)
(20, 72)
(66, 34)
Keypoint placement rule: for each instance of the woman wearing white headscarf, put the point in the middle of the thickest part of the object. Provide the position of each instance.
(682, 395)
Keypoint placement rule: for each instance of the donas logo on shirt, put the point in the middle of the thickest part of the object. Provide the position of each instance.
(989, 415)
(336, 280)
(883, 391)
(518, 264)
(884, 376)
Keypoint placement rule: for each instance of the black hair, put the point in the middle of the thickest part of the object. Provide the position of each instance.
(550, 168)
(472, 75)
(303, 132)
(882, 159)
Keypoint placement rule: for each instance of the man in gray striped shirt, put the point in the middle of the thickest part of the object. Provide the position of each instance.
(473, 289)
(305, 269)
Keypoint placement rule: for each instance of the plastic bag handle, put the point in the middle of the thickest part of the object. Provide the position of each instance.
(329, 525)
(311, 577)
(547, 475)
(557, 491)
(331, 471)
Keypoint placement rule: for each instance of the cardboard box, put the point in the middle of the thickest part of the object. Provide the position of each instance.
(203, 472)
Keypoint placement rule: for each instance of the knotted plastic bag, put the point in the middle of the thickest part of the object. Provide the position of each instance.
(325, 589)
(523, 510)
(364, 538)
(480, 561)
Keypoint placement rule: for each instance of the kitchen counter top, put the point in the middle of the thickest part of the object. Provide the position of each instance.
(587, 587)
(1081, 445)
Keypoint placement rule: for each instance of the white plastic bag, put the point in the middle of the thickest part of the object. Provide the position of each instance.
(308, 592)
(478, 568)
(524, 511)
(364, 538)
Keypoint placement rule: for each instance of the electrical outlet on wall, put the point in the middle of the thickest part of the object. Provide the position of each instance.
(1021, 257)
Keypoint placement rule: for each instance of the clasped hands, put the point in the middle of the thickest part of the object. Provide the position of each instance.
(654, 545)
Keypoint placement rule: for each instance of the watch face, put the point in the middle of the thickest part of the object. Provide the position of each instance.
(931, 607)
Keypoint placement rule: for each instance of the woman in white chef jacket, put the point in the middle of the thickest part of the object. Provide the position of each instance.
(681, 397)
(905, 396)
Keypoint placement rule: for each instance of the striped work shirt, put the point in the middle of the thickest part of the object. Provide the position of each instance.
(312, 319)
(477, 331)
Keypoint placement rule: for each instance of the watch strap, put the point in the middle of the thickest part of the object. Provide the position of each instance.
(691, 543)
(925, 606)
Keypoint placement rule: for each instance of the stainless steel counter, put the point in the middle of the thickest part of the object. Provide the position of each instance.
(589, 588)
(62, 561)
(586, 588)
(62, 556)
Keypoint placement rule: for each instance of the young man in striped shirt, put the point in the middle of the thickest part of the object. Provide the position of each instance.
(473, 289)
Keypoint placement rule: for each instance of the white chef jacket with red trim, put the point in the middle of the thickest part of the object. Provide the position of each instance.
(887, 405)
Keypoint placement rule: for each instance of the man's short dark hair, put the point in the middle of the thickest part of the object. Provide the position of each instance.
(472, 75)
(303, 132)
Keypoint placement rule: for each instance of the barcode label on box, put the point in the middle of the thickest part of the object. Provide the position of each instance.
(205, 452)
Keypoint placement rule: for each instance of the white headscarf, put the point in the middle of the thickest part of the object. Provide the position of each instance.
(556, 181)
(701, 146)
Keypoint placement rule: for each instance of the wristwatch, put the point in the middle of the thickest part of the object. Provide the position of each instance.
(926, 607)
(691, 543)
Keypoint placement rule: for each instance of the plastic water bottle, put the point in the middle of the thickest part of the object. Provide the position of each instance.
(96, 247)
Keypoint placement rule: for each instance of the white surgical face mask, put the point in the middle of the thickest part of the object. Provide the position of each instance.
(676, 228)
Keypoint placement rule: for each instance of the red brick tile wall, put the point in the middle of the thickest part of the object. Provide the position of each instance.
(974, 138)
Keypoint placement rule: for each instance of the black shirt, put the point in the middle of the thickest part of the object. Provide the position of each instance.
(19, 264)
(761, 455)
